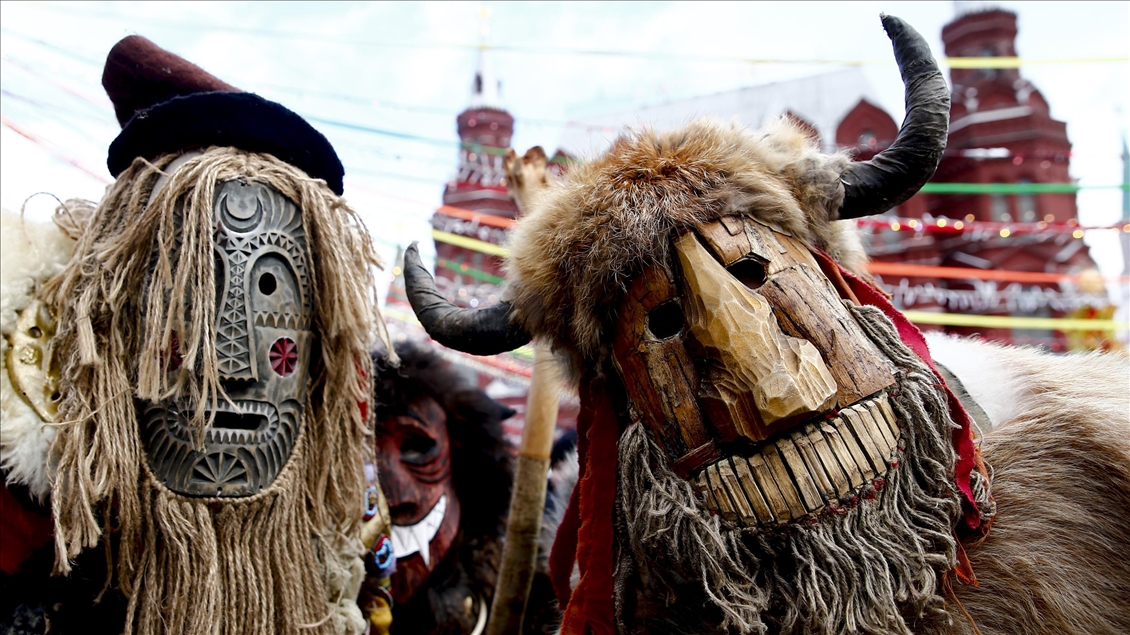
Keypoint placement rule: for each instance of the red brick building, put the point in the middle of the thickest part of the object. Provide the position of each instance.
(1001, 132)
(476, 206)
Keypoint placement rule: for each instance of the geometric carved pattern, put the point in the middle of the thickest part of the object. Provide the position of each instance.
(263, 340)
(235, 461)
(816, 467)
(251, 221)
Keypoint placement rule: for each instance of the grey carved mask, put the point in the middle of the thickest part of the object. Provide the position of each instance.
(263, 339)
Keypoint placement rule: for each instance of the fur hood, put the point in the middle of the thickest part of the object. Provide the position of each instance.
(31, 254)
(584, 238)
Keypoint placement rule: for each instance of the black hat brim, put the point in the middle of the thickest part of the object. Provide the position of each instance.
(227, 119)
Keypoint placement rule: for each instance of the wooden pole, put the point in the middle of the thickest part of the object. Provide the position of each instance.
(527, 503)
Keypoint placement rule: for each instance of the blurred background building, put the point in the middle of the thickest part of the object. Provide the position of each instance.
(1001, 201)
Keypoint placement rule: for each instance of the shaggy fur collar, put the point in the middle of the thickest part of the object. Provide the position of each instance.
(583, 239)
(30, 254)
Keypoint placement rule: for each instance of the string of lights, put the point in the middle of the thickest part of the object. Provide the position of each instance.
(880, 268)
(895, 224)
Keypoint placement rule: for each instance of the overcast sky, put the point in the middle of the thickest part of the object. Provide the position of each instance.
(403, 71)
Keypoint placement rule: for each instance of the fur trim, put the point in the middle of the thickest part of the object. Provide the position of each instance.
(609, 218)
(30, 254)
(1055, 560)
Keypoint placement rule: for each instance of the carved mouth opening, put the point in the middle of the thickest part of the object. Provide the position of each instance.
(235, 421)
(823, 466)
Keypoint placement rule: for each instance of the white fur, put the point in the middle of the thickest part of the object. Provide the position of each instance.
(984, 370)
(30, 253)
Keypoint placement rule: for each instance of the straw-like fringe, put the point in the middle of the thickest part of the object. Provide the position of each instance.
(239, 566)
(863, 572)
(142, 272)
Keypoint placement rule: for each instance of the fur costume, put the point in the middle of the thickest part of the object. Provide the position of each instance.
(662, 552)
(463, 583)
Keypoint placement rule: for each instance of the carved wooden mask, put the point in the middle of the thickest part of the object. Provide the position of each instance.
(264, 334)
(734, 348)
(413, 452)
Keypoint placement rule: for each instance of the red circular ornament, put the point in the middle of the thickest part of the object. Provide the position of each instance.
(284, 356)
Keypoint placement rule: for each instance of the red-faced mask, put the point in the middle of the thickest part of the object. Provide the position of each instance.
(414, 460)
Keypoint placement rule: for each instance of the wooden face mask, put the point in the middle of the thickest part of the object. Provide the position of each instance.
(413, 453)
(263, 338)
(746, 367)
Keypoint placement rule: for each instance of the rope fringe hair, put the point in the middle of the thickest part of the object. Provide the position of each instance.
(868, 571)
(142, 282)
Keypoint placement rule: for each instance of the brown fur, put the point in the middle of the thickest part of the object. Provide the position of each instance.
(1055, 560)
(590, 233)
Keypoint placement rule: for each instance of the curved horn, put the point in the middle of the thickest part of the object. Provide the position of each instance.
(897, 173)
(486, 331)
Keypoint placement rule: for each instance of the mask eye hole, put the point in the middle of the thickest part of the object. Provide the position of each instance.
(267, 284)
(748, 272)
(418, 450)
(666, 320)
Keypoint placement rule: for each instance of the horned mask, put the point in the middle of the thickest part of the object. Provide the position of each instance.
(726, 332)
(770, 425)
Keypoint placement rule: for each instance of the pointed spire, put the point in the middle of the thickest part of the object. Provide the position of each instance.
(485, 88)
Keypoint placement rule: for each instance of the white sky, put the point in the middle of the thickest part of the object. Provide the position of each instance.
(406, 68)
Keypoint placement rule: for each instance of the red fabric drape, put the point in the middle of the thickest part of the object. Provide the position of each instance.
(967, 452)
(22, 531)
(587, 528)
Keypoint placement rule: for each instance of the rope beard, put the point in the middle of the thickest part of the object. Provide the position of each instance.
(189, 564)
(866, 571)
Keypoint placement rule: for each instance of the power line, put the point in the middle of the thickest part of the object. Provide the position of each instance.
(519, 49)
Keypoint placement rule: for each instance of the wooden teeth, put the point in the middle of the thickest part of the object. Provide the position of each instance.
(810, 467)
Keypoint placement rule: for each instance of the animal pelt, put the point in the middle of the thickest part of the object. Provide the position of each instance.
(608, 218)
(482, 472)
(1055, 559)
(31, 253)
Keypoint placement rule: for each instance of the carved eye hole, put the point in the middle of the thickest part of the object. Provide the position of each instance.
(748, 272)
(267, 283)
(418, 449)
(666, 320)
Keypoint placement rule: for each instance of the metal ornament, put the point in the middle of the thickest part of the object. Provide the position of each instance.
(265, 314)
(32, 366)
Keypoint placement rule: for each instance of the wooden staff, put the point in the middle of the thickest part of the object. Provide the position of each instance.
(519, 557)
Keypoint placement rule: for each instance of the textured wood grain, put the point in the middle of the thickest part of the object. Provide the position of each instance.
(801, 477)
(845, 457)
(768, 486)
(785, 483)
(659, 373)
(752, 492)
(837, 474)
(766, 379)
(806, 307)
(824, 483)
(874, 454)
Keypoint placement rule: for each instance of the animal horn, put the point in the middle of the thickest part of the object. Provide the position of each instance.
(897, 173)
(486, 331)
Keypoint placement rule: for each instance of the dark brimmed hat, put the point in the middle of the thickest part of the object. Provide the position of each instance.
(167, 104)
